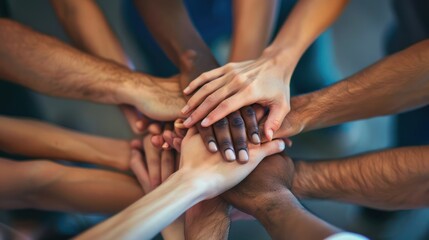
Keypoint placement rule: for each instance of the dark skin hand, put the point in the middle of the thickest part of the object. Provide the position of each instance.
(265, 194)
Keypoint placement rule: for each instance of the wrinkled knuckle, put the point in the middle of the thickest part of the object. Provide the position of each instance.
(249, 112)
(210, 100)
(223, 105)
(237, 122)
(240, 142)
(225, 144)
(223, 123)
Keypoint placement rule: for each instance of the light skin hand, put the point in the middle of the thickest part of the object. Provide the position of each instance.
(265, 80)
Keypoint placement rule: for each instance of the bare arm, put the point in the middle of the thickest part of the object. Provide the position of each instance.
(202, 175)
(396, 84)
(37, 139)
(89, 30)
(46, 65)
(162, 18)
(248, 42)
(49, 186)
(391, 179)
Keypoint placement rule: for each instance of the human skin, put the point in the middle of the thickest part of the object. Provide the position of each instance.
(264, 80)
(46, 65)
(395, 84)
(391, 179)
(268, 199)
(202, 175)
(37, 139)
(41, 184)
(162, 18)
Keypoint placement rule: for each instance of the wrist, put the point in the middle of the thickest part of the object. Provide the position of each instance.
(135, 85)
(200, 183)
(285, 57)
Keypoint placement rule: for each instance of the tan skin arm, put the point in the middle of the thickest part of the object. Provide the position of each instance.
(46, 65)
(395, 84)
(391, 179)
(37, 139)
(49, 186)
(248, 43)
(89, 30)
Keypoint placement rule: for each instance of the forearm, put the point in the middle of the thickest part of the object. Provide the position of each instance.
(89, 30)
(396, 84)
(162, 18)
(48, 141)
(149, 215)
(248, 43)
(282, 215)
(208, 220)
(49, 186)
(392, 179)
(308, 19)
(46, 65)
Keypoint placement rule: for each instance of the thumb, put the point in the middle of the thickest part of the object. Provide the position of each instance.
(275, 118)
(270, 148)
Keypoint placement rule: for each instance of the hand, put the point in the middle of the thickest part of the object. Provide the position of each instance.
(154, 167)
(156, 98)
(197, 162)
(273, 175)
(226, 89)
(299, 119)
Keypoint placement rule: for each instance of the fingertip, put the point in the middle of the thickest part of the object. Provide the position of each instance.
(205, 122)
(187, 90)
(212, 147)
(269, 134)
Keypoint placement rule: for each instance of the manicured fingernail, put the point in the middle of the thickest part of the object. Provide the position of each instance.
(270, 134)
(165, 145)
(255, 138)
(282, 145)
(187, 122)
(205, 122)
(186, 90)
(243, 156)
(212, 146)
(185, 109)
(230, 155)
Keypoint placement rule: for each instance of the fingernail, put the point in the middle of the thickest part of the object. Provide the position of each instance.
(270, 134)
(255, 138)
(187, 122)
(212, 146)
(186, 90)
(230, 155)
(185, 109)
(282, 145)
(165, 145)
(243, 156)
(205, 122)
(139, 125)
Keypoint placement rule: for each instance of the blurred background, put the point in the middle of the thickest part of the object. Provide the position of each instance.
(363, 34)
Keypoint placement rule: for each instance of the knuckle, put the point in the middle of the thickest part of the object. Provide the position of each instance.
(223, 123)
(249, 112)
(223, 105)
(237, 122)
(239, 79)
(225, 144)
(275, 123)
(240, 142)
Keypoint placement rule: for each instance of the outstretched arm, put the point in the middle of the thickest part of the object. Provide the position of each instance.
(37, 139)
(46, 65)
(265, 195)
(391, 179)
(202, 175)
(49, 186)
(396, 84)
(89, 30)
